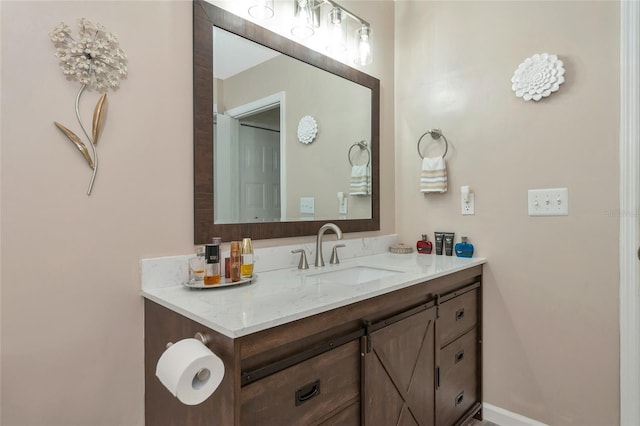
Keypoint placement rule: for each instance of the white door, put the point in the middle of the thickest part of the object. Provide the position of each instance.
(259, 174)
(629, 220)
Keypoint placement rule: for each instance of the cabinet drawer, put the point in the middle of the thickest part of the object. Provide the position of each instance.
(307, 393)
(457, 316)
(458, 378)
(350, 416)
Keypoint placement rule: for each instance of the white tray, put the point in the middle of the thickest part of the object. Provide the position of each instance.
(224, 282)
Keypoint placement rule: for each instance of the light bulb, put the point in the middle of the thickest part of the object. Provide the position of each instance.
(303, 19)
(337, 34)
(365, 54)
(261, 9)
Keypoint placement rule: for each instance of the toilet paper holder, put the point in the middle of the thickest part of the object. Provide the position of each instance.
(200, 336)
(203, 374)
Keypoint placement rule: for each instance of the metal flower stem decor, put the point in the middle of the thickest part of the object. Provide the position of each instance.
(96, 61)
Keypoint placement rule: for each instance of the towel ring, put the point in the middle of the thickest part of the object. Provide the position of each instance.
(361, 145)
(435, 134)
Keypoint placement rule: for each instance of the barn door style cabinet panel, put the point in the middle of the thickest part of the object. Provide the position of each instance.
(398, 368)
(408, 357)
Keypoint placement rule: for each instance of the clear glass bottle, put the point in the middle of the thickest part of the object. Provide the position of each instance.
(246, 270)
(212, 257)
(463, 248)
(235, 261)
(424, 246)
(196, 265)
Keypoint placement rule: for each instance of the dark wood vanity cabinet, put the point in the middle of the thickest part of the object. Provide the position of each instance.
(409, 357)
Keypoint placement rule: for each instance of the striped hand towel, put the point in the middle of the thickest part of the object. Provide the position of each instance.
(360, 180)
(433, 177)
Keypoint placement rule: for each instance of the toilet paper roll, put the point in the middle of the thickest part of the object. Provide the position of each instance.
(190, 371)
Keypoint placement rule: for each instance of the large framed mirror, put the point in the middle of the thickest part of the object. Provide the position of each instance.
(290, 87)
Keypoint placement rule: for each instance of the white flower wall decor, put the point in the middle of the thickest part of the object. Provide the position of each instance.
(307, 129)
(94, 59)
(538, 77)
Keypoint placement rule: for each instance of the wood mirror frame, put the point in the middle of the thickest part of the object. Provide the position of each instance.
(205, 16)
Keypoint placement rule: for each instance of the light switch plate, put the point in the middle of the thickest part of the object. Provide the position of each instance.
(307, 205)
(548, 202)
(343, 206)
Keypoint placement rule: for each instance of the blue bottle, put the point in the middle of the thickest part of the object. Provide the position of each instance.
(463, 248)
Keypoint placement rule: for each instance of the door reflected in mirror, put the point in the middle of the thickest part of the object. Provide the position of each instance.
(247, 147)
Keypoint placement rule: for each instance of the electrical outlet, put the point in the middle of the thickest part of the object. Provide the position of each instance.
(307, 205)
(343, 206)
(468, 205)
(548, 202)
(342, 203)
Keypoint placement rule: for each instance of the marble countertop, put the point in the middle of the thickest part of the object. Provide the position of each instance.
(285, 295)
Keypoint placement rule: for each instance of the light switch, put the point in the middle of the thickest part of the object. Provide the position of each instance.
(307, 205)
(548, 202)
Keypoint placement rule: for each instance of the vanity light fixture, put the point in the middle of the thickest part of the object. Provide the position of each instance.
(261, 9)
(307, 20)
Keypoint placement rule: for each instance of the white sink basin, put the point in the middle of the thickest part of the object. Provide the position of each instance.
(355, 275)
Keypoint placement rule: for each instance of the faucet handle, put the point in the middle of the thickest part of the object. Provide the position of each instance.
(334, 254)
(303, 259)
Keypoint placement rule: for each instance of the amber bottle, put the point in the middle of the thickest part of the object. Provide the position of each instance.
(235, 261)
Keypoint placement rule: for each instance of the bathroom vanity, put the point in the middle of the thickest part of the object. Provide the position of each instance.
(305, 348)
(337, 345)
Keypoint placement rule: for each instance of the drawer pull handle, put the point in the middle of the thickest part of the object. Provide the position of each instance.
(459, 356)
(307, 392)
(460, 314)
(459, 398)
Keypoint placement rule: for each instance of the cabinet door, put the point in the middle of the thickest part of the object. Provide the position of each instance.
(399, 373)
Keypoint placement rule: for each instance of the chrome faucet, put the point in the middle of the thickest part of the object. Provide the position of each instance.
(332, 226)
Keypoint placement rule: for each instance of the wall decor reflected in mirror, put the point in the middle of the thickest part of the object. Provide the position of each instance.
(252, 176)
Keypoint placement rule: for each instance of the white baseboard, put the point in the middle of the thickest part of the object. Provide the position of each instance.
(502, 417)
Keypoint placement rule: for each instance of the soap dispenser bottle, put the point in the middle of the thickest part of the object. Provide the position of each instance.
(424, 246)
(463, 248)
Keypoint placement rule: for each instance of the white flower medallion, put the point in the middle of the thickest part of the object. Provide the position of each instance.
(307, 129)
(538, 77)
